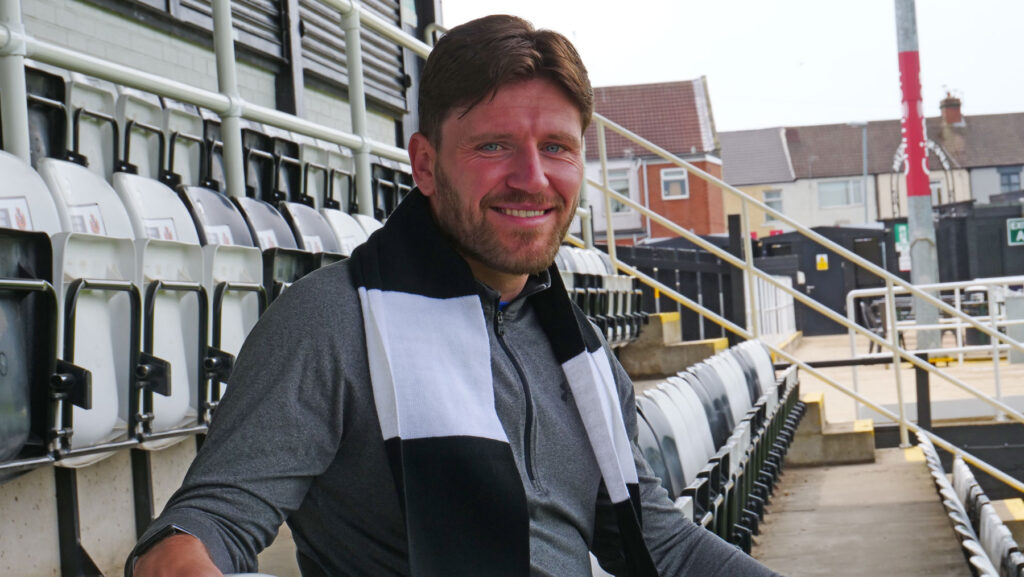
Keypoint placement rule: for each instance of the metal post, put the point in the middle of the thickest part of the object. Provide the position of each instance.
(921, 229)
(14, 112)
(864, 171)
(751, 308)
(602, 152)
(924, 395)
(890, 299)
(995, 349)
(583, 210)
(227, 83)
(357, 107)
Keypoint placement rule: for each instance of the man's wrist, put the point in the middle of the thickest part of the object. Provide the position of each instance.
(143, 547)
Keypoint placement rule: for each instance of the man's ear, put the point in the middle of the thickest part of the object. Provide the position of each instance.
(422, 156)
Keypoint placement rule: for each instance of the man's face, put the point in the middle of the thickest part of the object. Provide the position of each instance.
(506, 179)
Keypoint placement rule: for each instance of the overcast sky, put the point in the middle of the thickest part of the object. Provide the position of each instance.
(790, 62)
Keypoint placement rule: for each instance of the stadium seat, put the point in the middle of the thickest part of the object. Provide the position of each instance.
(232, 275)
(95, 258)
(648, 443)
(283, 261)
(29, 307)
(665, 437)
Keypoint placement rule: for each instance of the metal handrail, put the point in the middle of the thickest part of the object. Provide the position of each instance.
(746, 264)
(750, 270)
(740, 331)
(602, 122)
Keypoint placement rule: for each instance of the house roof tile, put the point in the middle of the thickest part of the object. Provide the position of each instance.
(673, 115)
(755, 157)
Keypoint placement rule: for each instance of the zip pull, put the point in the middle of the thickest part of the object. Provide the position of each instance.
(499, 320)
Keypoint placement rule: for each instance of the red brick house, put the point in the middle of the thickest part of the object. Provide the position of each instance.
(675, 116)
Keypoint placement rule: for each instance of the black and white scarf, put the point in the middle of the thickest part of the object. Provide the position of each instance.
(429, 356)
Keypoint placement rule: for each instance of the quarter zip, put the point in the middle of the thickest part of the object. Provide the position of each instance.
(499, 330)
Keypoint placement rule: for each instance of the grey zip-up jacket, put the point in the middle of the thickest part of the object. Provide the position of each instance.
(296, 439)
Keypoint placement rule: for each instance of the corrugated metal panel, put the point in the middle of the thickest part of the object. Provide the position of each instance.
(323, 50)
(258, 22)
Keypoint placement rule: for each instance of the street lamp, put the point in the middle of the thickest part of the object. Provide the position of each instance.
(863, 125)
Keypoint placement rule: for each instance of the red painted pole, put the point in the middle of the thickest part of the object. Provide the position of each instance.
(912, 127)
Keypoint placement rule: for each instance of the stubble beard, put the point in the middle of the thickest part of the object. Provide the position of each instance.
(472, 238)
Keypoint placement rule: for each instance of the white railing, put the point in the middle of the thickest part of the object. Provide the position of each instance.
(963, 296)
(753, 330)
(776, 311)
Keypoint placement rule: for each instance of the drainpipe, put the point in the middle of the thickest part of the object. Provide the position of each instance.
(357, 107)
(647, 199)
(227, 84)
(12, 79)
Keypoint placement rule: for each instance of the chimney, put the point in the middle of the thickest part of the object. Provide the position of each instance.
(950, 107)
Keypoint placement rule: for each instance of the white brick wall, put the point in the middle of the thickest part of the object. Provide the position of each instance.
(327, 110)
(91, 30)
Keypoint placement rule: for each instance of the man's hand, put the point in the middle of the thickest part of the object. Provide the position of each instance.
(176, 556)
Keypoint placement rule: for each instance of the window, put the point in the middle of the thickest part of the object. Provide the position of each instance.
(674, 184)
(836, 193)
(618, 180)
(1009, 179)
(773, 198)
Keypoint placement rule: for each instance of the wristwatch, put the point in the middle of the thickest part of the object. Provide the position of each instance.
(143, 546)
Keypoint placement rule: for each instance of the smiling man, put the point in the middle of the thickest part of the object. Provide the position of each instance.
(435, 405)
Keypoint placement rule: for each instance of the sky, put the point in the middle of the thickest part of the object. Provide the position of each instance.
(789, 62)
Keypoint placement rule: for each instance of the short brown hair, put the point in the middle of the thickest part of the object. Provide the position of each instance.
(475, 59)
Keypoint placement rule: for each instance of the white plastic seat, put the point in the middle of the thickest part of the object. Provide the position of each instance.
(168, 249)
(735, 386)
(232, 266)
(96, 244)
(346, 230)
(692, 411)
(25, 207)
(369, 224)
(311, 230)
(140, 118)
(689, 445)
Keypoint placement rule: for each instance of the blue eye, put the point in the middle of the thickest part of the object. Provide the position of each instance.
(553, 148)
(490, 147)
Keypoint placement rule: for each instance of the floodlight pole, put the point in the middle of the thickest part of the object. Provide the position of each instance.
(920, 227)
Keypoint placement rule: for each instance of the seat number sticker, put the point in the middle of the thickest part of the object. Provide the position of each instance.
(14, 213)
(87, 218)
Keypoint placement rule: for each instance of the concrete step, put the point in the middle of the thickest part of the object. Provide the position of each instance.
(879, 518)
(818, 442)
(658, 351)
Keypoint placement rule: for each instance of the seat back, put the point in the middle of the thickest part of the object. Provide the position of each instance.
(688, 444)
(648, 443)
(692, 412)
(216, 219)
(718, 420)
(369, 224)
(346, 230)
(715, 388)
(665, 436)
(266, 225)
(310, 229)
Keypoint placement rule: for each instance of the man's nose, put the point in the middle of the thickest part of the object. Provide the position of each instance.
(527, 172)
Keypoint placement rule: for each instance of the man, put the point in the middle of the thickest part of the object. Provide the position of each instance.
(435, 405)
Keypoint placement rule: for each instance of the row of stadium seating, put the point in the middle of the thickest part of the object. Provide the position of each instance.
(611, 300)
(987, 543)
(135, 295)
(717, 433)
